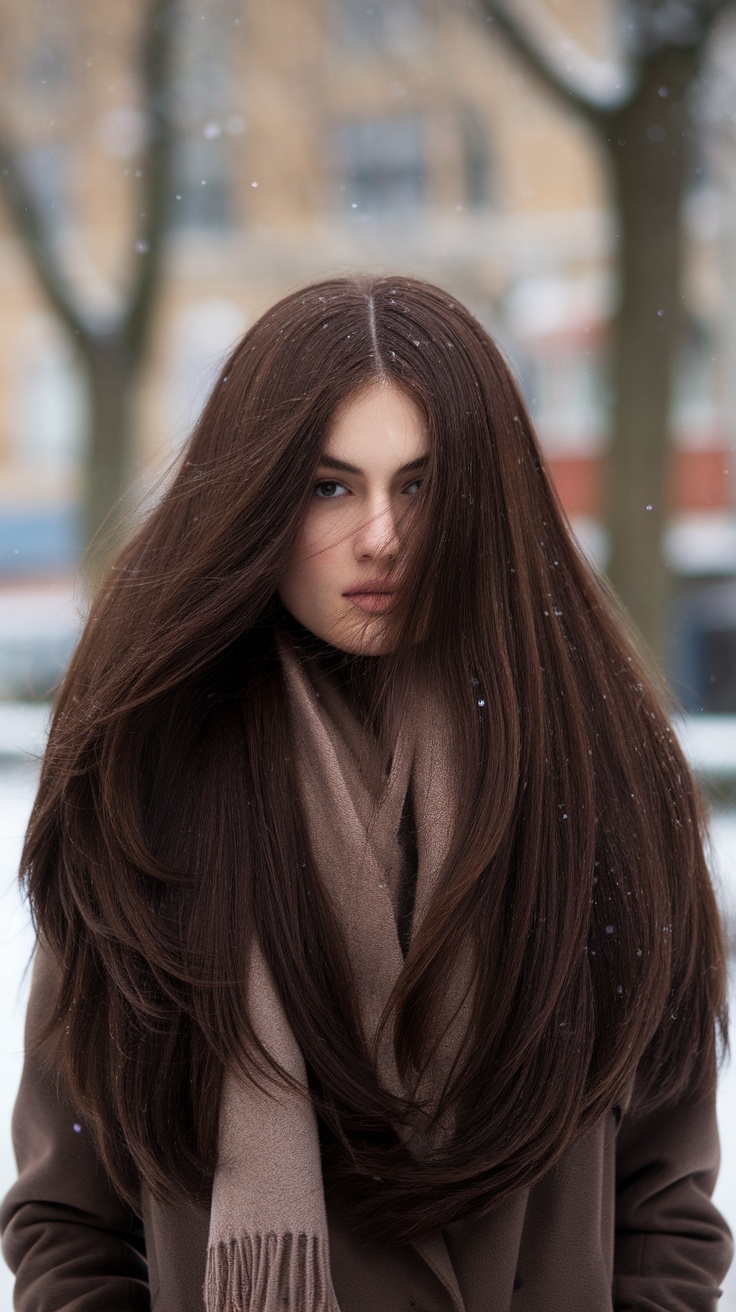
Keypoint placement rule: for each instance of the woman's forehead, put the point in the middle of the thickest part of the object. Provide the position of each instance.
(380, 423)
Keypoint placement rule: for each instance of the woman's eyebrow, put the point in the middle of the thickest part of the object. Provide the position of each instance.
(331, 462)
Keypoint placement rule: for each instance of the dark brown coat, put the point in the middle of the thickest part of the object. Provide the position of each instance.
(623, 1222)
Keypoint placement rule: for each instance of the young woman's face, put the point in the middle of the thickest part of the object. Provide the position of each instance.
(345, 567)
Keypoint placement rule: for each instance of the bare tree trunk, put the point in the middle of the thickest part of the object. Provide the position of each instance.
(727, 162)
(112, 354)
(642, 118)
(111, 380)
(648, 144)
(721, 114)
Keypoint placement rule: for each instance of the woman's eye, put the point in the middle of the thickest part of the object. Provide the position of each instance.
(329, 490)
(412, 488)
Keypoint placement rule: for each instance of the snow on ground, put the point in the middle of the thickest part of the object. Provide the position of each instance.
(31, 610)
(23, 727)
(17, 785)
(709, 742)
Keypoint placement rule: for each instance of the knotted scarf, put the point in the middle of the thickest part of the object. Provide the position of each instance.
(268, 1243)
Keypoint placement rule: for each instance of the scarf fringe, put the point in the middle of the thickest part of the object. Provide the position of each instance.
(269, 1273)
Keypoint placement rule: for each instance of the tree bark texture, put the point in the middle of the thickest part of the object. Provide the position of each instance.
(112, 353)
(648, 144)
(112, 375)
(646, 133)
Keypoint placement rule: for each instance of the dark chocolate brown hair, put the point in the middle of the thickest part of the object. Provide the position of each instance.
(164, 835)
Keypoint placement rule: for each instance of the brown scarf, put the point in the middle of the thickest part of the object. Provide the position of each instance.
(268, 1245)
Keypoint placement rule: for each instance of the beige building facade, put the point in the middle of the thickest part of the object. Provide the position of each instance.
(318, 137)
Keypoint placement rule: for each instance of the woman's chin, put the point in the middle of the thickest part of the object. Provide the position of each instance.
(368, 637)
(356, 633)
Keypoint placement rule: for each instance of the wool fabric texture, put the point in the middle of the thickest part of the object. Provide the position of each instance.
(268, 1243)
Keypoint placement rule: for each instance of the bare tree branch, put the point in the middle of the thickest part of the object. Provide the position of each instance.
(156, 169)
(29, 223)
(113, 348)
(645, 127)
(591, 86)
(158, 67)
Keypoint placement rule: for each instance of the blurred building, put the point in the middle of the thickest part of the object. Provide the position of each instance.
(319, 136)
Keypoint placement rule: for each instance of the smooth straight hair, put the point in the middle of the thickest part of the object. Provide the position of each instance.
(166, 834)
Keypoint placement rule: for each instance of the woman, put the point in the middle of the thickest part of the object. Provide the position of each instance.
(378, 966)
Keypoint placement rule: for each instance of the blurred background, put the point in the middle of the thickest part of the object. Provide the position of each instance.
(566, 167)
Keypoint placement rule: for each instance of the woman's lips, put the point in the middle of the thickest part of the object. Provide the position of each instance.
(373, 603)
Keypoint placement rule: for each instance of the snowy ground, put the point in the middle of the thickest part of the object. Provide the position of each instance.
(17, 784)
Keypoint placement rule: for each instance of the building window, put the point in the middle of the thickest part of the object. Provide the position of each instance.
(703, 651)
(476, 160)
(48, 70)
(694, 401)
(202, 107)
(383, 166)
(45, 170)
(50, 403)
(202, 184)
(203, 337)
(47, 53)
(569, 411)
(394, 26)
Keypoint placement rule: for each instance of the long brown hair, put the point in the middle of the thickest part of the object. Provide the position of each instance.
(163, 837)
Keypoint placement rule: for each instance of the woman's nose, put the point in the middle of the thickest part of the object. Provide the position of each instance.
(377, 537)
